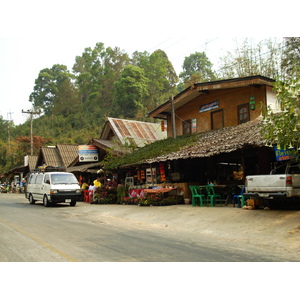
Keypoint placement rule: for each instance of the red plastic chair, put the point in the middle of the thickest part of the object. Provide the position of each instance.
(87, 195)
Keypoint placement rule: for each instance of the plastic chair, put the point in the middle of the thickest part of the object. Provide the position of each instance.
(212, 196)
(87, 195)
(196, 194)
(240, 198)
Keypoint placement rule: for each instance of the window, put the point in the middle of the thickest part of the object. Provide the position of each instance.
(47, 178)
(243, 113)
(217, 119)
(31, 178)
(187, 127)
(39, 179)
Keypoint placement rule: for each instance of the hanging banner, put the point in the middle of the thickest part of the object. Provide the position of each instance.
(88, 153)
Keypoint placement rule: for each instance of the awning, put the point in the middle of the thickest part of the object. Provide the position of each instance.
(87, 168)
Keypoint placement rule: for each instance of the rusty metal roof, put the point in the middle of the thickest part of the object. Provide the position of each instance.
(131, 131)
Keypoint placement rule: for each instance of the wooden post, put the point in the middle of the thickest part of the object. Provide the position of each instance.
(173, 117)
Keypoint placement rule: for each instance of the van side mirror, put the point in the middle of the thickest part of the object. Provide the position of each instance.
(47, 181)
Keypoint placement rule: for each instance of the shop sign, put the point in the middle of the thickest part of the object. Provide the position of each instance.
(88, 153)
(209, 106)
(194, 125)
(283, 154)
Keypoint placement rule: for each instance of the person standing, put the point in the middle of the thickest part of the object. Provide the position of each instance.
(97, 183)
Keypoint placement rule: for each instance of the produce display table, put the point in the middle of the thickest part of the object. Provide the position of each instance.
(158, 191)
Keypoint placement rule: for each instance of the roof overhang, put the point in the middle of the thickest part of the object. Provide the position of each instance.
(204, 88)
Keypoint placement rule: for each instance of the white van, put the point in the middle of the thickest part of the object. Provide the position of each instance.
(52, 187)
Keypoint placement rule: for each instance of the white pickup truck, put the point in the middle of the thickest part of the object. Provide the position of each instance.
(282, 184)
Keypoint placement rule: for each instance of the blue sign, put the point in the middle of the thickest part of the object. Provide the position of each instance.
(209, 106)
(283, 154)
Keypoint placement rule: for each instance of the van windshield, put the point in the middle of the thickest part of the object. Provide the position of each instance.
(63, 179)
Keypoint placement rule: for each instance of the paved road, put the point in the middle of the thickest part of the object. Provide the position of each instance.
(33, 233)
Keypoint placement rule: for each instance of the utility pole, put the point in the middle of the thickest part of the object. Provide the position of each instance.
(31, 112)
(8, 129)
(8, 133)
(173, 117)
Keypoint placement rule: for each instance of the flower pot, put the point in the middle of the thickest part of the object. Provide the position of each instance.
(187, 200)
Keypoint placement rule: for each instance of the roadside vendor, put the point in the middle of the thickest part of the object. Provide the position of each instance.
(97, 183)
(84, 186)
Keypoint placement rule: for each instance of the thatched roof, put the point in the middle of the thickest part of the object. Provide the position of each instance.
(215, 142)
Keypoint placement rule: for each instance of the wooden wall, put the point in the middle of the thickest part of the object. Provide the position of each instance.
(229, 100)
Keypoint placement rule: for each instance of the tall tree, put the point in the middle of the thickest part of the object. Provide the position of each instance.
(89, 69)
(130, 91)
(66, 101)
(250, 58)
(197, 67)
(96, 70)
(291, 56)
(162, 78)
(47, 86)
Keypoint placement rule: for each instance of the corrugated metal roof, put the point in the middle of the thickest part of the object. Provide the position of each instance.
(141, 133)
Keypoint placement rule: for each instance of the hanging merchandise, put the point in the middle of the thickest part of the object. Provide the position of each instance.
(162, 173)
(138, 175)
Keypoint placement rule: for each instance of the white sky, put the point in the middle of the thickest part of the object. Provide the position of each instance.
(37, 34)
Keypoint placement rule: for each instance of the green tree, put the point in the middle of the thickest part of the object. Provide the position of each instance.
(114, 62)
(130, 90)
(66, 101)
(197, 68)
(96, 71)
(250, 58)
(162, 79)
(88, 69)
(47, 86)
(291, 56)
(282, 126)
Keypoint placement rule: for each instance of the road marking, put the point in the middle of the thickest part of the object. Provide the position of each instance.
(64, 255)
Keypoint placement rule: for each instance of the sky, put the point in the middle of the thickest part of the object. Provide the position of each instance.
(37, 34)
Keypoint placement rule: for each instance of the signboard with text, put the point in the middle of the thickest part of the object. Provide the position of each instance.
(88, 153)
(209, 106)
(283, 154)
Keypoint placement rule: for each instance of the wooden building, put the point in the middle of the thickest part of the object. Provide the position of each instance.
(217, 104)
(225, 116)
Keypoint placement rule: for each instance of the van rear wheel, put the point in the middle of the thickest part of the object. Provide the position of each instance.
(46, 201)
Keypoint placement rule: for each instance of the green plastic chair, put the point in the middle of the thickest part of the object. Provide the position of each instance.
(196, 193)
(212, 196)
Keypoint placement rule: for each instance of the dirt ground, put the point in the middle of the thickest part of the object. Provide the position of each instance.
(273, 230)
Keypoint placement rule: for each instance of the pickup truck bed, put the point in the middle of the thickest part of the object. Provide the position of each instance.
(282, 183)
(273, 185)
